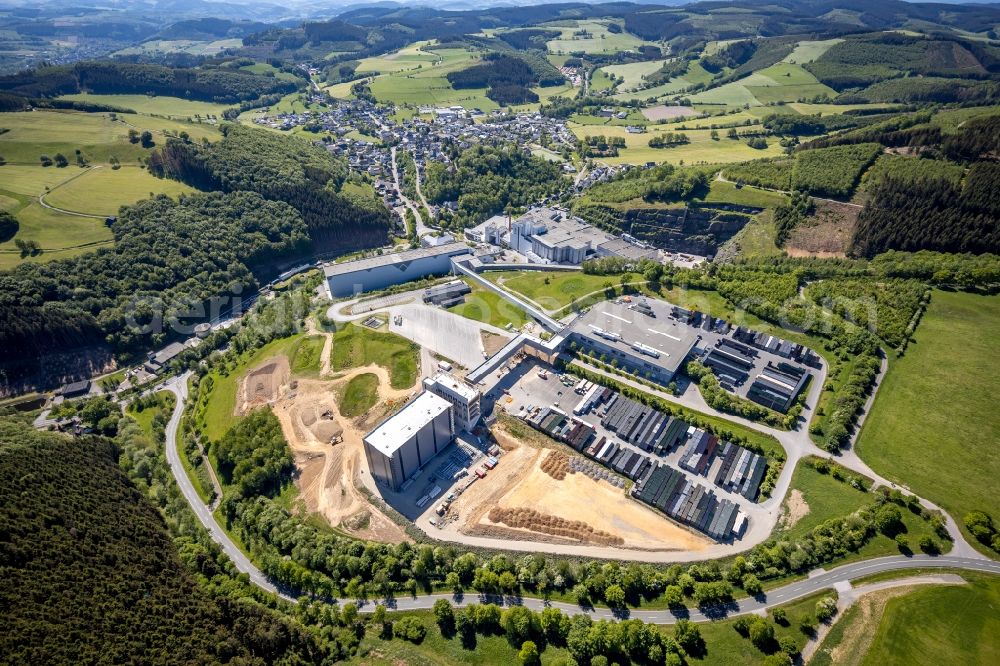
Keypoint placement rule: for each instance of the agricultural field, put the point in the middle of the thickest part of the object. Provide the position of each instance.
(783, 82)
(190, 46)
(694, 74)
(96, 135)
(933, 426)
(600, 40)
(102, 190)
(701, 150)
(155, 105)
(807, 51)
(632, 74)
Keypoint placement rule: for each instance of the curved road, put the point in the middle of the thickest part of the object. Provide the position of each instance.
(817, 580)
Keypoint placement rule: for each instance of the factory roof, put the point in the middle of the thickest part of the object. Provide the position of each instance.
(658, 340)
(455, 386)
(369, 263)
(395, 431)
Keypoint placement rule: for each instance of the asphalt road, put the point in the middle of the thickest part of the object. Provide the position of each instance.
(178, 386)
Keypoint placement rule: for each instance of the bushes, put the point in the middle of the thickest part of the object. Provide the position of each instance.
(410, 629)
(884, 307)
(980, 525)
(254, 456)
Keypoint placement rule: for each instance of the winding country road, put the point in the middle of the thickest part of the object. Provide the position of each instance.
(818, 580)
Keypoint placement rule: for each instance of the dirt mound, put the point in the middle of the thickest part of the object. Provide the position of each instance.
(326, 430)
(308, 416)
(556, 465)
(530, 519)
(262, 385)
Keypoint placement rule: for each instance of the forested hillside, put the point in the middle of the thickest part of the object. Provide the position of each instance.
(215, 84)
(91, 575)
(167, 256)
(280, 168)
(483, 181)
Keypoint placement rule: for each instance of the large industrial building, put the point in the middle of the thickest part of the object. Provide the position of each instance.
(463, 398)
(549, 235)
(640, 336)
(372, 273)
(402, 444)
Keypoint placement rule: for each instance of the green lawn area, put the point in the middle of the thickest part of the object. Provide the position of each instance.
(360, 395)
(103, 191)
(355, 346)
(826, 498)
(953, 624)
(933, 426)
(783, 82)
(756, 239)
(306, 358)
(485, 306)
(554, 290)
(172, 107)
(599, 81)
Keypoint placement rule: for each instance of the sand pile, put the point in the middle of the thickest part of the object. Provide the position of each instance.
(262, 385)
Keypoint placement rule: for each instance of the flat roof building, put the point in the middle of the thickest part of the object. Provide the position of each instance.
(402, 444)
(640, 336)
(372, 273)
(463, 398)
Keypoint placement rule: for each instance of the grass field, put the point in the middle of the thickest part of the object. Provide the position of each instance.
(554, 290)
(702, 149)
(357, 346)
(826, 498)
(783, 82)
(756, 239)
(933, 426)
(600, 40)
(190, 46)
(485, 306)
(102, 191)
(599, 81)
(98, 137)
(437, 650)
(955, 624)
(59, 235)
(808, 51)
(306, 357)
(633, 73)
(172, 107)
(722, 192)
(219, 404)
(694, 74)
(360, 395)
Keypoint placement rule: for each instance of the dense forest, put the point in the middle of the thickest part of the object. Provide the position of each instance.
(932, 214)
(484, 181)
(91, 574)
(280, 168)
(218, 84)
(168, 256)
(253, 455)
(507, 77)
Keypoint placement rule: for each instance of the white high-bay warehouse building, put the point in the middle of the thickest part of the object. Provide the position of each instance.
(372, 273)
(408, 440)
